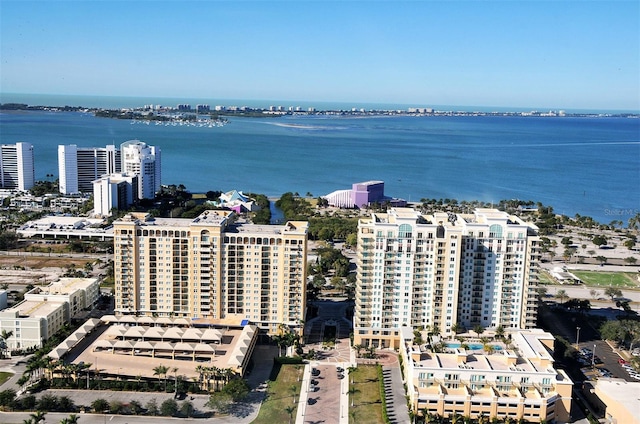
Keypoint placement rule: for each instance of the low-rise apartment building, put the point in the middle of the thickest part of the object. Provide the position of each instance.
(45, 310)
(79, 293)
(32, 322)
(619, 398)
(517, 380)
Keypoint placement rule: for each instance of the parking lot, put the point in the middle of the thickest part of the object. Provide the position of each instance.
(604, 362)
(324, 390)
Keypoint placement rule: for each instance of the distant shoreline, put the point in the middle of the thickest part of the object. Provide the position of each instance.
(145, 112)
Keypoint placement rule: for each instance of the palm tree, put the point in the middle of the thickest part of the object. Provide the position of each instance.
(289, 410)
(200, 370)
(293, 388)
(50, 365)
(478, 329)
(434, 330)
(561, 294)
(68, 370)
(175, 380)
(500, 332)
(352, 391)
(358, 348)
(216, 373)
(161, 370)
(34, 366)
(457, 328)
(5, 347)
(227, 374)
(634, 222)
(71, 419)
(37, 416)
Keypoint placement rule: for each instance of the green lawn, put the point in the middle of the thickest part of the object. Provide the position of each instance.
(545, 278)
(608, 279)
(281, 395)
(367, 405)
(4, 376)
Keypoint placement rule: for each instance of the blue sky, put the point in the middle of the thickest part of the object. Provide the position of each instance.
(553, 54)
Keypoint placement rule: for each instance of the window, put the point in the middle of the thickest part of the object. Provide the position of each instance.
(495, 231)
(404, 231)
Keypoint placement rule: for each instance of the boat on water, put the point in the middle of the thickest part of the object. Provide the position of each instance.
(203, 123)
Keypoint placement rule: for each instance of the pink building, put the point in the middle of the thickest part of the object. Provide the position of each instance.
(361, 195)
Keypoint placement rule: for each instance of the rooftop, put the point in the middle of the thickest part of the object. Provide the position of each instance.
(133, 346)
(66, 286)
(31, 309)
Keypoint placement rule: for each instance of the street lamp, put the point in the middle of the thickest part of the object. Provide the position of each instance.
(577, 337)
(593, 357)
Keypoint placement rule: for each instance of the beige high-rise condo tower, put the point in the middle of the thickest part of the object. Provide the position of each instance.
(436, 271)
(213, 268)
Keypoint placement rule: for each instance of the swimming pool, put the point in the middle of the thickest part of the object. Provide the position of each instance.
(472, 346)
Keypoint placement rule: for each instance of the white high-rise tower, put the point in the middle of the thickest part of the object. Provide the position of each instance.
(78, 167)
(16, 166)
(140, 159)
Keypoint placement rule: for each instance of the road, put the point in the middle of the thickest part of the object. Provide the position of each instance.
(55, 417)
(583, 292)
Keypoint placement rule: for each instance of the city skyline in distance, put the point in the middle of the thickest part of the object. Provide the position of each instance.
(556, 55)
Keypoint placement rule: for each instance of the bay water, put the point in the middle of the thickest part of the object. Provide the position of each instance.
(589, 166)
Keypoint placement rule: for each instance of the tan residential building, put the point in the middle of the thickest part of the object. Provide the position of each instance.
(79, 293)
(620, 400)
(436, 271)
(517, 380)
(32, 322)
(211, 268)
(45, 310)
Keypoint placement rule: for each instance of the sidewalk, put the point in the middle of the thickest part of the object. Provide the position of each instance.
(16, 365)
(397, 410)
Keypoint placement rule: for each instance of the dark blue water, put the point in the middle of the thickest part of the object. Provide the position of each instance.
(589, 166)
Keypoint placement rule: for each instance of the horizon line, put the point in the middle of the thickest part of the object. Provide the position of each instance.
(353, 104)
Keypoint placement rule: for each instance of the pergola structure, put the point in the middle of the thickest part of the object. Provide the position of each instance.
(133, 346)
(195, 344)
(74, 338)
